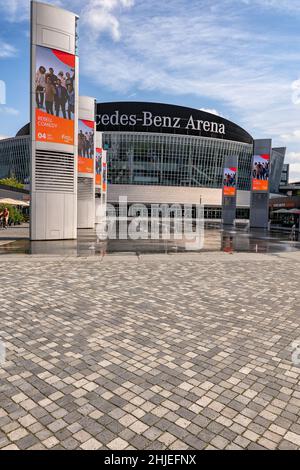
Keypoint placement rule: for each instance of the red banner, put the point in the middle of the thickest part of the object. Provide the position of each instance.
(54, 129)
(54, 96)
(261, 173)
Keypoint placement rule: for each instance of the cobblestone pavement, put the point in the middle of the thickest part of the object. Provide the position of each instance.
(150, 353)
(17, 232)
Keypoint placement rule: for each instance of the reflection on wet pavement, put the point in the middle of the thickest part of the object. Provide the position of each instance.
(215, 239)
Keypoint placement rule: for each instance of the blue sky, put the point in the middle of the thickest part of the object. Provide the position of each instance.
(237, 58)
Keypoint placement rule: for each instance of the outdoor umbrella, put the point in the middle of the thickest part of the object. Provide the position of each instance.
(14, 202)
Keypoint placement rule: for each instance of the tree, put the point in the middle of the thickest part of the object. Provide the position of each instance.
(13, 182)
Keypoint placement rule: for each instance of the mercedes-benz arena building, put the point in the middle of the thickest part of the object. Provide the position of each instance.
(160, 153)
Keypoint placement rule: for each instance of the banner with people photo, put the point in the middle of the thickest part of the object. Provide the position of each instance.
(98, 166)
(54, 96)
(229, 182)
(104, 173)
(261, 173)
(86, 136)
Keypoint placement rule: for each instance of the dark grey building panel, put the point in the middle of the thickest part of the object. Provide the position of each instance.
(277, 160)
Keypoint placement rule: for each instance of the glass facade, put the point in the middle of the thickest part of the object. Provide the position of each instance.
(155, 159)
(277, 159)
(15, 158)
(173, 160)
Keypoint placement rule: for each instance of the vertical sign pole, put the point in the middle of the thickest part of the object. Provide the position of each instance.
(260, 184)
(54, 115)
(104, 184)
(98, 175)
(230, 176)
(86, 162)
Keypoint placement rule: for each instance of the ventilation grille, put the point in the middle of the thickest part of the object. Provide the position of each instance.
(85, 188)
(54, 171)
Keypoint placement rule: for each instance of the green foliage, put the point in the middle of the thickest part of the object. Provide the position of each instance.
(15, 216)
(13, 182)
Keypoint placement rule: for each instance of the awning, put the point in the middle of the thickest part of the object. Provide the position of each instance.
(14, 202)
(282, 211)
(294, 211)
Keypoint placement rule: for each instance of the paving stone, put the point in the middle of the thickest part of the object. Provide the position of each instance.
(27, 442)
(50, 442)
(70, 444)
(167, 438)
(91, 444)
(292, 437)
(17, 434)
(153, 365)
(117, 444)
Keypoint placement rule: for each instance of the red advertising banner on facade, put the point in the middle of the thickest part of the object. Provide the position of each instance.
(98, 166)
(229, 182)
(261, 173)
(104, 173)
(86, 136)
(54, 96)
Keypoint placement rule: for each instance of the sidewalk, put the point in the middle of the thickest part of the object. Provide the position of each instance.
(152, 352)
(14, 232)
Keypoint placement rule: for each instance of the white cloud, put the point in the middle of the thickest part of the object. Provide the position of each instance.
(294, 172)
(9, 110)
(288, 6)
(7, 50)
(199, 53)
(293, 137)
(15, 10)
(3, 137)
(293, 157)
(195, 53)
(99, 16)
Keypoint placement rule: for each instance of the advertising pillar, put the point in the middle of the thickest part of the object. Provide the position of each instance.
(260, 184)
(54, 120)
(99, 150)
(230, 175)
(86, 162)
(101, 180)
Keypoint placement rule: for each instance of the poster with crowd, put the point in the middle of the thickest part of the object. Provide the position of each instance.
(86, 136)
(104, 173)
(229, 182)
(261, 173)
(98, 166)
(54, 96)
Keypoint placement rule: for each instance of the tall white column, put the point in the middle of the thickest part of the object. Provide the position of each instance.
(86, 162)
(54, 119)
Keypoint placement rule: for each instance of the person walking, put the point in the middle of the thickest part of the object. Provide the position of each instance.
(293, 233)
(5, 217)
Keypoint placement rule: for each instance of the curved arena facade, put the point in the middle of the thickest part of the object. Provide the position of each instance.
(164, 145)
(160, 153)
